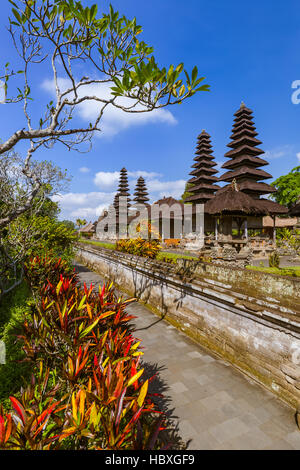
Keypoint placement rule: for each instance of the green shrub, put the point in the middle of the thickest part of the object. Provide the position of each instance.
(274, 260)
(12, 309)
(139, 247)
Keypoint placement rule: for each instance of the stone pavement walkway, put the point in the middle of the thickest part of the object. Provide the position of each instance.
(213, 405)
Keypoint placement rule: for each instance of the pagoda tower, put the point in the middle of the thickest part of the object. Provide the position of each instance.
(203, 180)
(244, 160)
(141, 193)
(123, 190)
(116, 203)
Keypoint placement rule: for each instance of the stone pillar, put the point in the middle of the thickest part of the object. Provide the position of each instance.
(227, 227)
(274, 229)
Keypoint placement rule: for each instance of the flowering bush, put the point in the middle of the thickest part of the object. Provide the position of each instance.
(139, 247)
(87, 389)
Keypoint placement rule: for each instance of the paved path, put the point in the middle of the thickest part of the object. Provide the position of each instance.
(213, 405)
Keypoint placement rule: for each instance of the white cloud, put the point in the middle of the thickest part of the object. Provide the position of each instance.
(90, 205)
(278, 152)
(167, 188)
(83, 205)
(298, 156)
(88, 213)
(84, 169)
(145, 174)
(109, 179)
(106, 179)
(114, 120)
(68, 200)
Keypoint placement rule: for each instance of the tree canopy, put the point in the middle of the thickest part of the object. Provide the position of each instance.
(288, 187)
(186, 193)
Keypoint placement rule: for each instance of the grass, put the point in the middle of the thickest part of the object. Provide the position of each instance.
(12, 308)
(293, 271)
(108, 245)
(162, 256)
(173, 256)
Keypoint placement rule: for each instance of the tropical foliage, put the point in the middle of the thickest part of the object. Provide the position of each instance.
(274, 260)
(288, 187)
(187, 193)
(289, 239)
(139, 247)
(87, 390)
(36, 231)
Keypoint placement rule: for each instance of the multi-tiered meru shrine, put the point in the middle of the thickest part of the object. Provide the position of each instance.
(244, 157)
(203, 185)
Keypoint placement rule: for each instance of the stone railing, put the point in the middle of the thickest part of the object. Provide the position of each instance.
(251, 319)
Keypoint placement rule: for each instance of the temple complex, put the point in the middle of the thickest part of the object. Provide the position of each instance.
(234, 218)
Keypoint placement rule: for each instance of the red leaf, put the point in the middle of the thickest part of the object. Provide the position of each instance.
(19, 408)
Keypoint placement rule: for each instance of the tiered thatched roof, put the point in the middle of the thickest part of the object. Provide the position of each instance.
(123, 190)
(141, 193)
(203, 180)
(244, 157)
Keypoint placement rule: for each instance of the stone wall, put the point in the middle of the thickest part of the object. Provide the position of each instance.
(250, 319)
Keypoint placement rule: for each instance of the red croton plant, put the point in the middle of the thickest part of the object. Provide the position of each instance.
(88, 389)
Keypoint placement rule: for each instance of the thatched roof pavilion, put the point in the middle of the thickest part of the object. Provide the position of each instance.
(169, 202)
(271, 207)
(234, 202)
(295, 210)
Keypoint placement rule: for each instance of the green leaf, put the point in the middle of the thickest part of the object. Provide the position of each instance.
(17, 15)
(94, 10)
(188, 81)
(182, 90)
(194, 74)
(89, 328)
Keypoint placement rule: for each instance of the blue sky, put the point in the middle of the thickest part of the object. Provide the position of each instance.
(246, 50)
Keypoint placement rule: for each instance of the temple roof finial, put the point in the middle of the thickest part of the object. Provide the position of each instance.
(243, 104)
